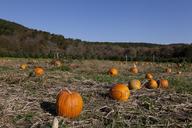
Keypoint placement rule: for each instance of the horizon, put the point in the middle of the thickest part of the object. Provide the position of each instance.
(165, 22)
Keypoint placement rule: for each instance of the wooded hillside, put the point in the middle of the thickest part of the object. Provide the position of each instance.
(19, 41)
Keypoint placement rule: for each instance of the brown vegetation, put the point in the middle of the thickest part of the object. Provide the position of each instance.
(28, 101)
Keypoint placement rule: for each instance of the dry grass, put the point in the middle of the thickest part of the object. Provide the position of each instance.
(29, 102)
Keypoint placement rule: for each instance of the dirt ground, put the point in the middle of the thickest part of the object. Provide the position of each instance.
(27, 101)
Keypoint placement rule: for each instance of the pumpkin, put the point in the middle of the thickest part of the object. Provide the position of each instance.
(152, 84)
(69, 103)
(163, 83)
(120, 92)
(179, 65)
(39, 71)
(113, 72)
(134, 69)
(134, 84)
(168, 70)
(74, 66)
(23, 66)
(136, 62)
(149, 76)
(57, 63)
(179, 72)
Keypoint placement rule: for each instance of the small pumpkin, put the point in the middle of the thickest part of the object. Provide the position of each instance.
(136, 62)
(179, 65)
(74, 66)
(168, 70)
(69, 103)
(113, 72)
(120, 92)
(134, 84)
(149, 76)
(39, 71)
(134, 69)
(57, 63)
(23, 66)
(179, 72)
(163, 83)
(152, 84)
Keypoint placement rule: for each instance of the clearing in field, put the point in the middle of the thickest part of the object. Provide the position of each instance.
(28, 101)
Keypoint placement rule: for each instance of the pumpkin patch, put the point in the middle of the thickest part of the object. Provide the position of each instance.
(96, 97)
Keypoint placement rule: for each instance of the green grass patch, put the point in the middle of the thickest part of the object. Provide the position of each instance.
(62, 68)
(181, 85)
(4, 68)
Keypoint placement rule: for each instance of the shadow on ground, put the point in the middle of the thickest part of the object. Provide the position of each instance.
(49, 107)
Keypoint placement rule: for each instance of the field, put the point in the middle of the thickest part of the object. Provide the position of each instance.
(29, 102)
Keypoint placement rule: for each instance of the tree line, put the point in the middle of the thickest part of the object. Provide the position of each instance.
(19, 41)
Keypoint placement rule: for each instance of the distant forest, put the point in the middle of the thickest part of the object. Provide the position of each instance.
(19, 41)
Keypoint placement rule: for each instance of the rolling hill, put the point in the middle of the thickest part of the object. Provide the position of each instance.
(19, 41)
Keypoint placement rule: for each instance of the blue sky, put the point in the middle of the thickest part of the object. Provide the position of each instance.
(155, 21)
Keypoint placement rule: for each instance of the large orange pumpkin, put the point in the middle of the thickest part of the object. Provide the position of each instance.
(69, 104)
(113, 71)
(163, 83)
(120, 92)
(134, 69)
(152, 84)
(23, 66)
(39, 71)
(149, 76)
(134, 84)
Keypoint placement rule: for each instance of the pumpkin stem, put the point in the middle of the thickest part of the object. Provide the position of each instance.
(68, 90)
(55, 123)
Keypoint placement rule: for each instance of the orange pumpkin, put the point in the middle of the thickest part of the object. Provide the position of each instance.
(113, 71)
(23, 66)
(149, 76)
(152, 84)
(69, 104)
(163, 83)
(134, 69)
(39, 71)
(134, 84)
(120, 92)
